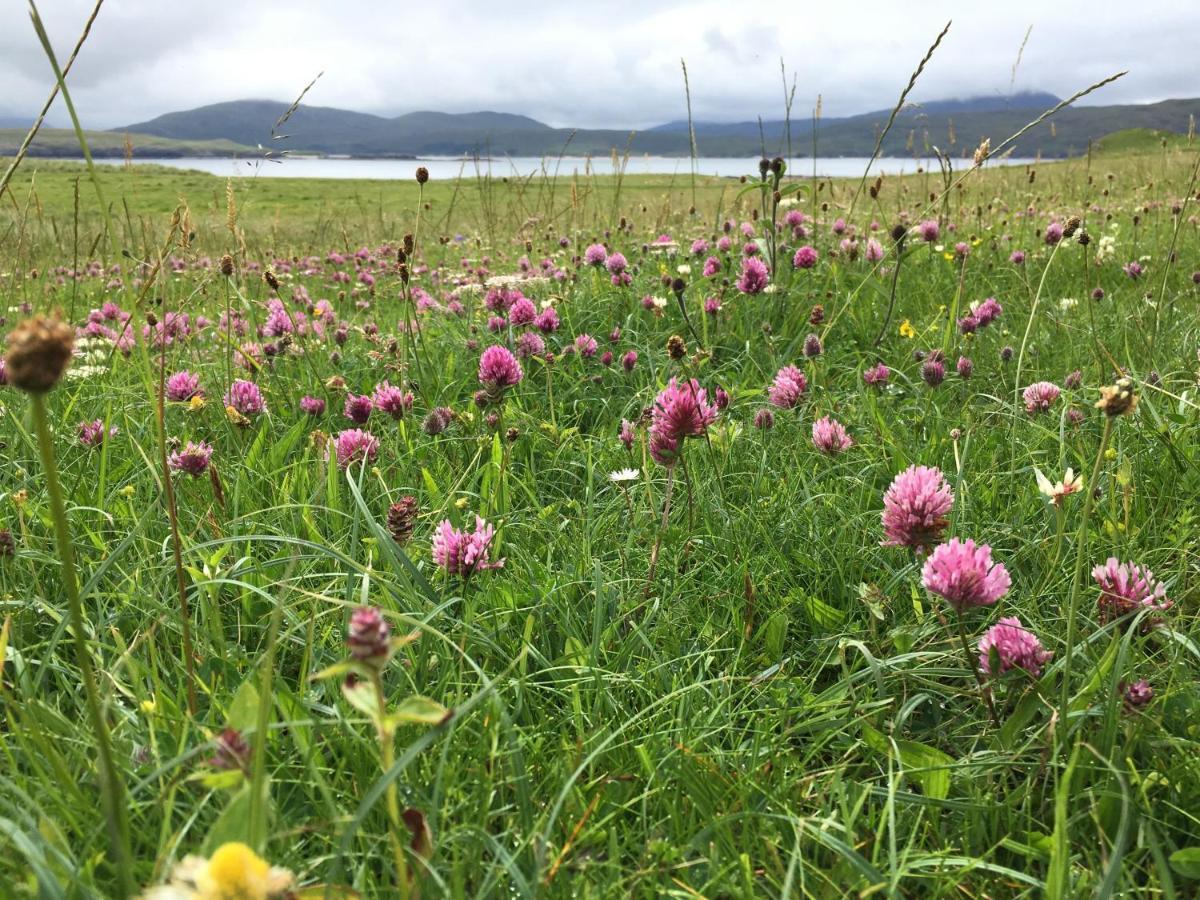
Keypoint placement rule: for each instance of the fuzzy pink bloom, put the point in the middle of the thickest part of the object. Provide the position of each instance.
(680, 411)
(712, 266)
(965, 575)
(805, 258)
(354, 445)
(929, 230)
(629, 360)
(1016, 647)
(183, 386)
(627, 435)
(987, 312)
(314, 406)
(829, 436)
(877, 375)
(595, 255)
(915, 508)
(460, 553)
(616, 264)
(546, 321)
(1126, 588)
(246, 398)
(369, 636)
(388, 398)
(754, 277)
(357, 408)
(499, 369)
(93, 434)
(874, 251)
(1040, 397)
(193, 459)
(787, 388)
(586, 345)
(522, 312)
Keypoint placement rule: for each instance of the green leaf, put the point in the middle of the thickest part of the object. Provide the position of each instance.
(418, 710)
(1186, 862)
(821, 613)
(231, 824)
(242, 713)
(928, 765)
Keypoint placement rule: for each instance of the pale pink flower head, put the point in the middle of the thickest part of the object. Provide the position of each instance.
(830, 437)
(877, 375)
(805, 258)
(627, 435)
(754, 277)
(192, 460)
(680, 411)
(1040, 397)
(874, 252)
(369, 637)
(93, 434)
(522, 312)
(1126, 588)
(246, 398)
(586, 345)
(595, 255)
(355, 445)
(915, 507)
(462, 553)
(389, 399)
(929, 230)
(965, 575)
(313, 406)
(183, 386)
(1014, 646)
(357, 408)
(787, 388)
(499, 369)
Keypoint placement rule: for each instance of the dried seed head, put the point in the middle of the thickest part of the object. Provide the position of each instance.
(1118, 399)
(676, 347)
(422, 174)
(227, 266)
(39, 350)
(1071, 227)
(401, 518)
(271, 280)
(7, 545)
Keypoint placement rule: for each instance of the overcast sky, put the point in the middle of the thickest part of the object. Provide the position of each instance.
(595, 65)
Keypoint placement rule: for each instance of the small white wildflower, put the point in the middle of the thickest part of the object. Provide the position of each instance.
(621, 476)
(1054, 493)
(684, 269)
(1067, 303)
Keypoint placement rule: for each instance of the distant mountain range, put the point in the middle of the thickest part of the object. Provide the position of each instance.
(955, 126)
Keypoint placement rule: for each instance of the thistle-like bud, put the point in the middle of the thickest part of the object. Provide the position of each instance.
(1118, 399)
(676, 347)
(1071, 227)
(401, 517)
(422, 174)
(39, 351)
(271, 280)
(227, 265)
(232, 751)
(369, 636)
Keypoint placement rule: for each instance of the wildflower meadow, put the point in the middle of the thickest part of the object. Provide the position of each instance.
(596, 536)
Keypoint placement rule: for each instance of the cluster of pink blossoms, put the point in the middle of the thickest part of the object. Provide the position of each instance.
(787, 388)
(680, 411)
(964, 574)
(1010, 645)
(915, 507)
(464, 553)
(1040, 397)
(830, 437)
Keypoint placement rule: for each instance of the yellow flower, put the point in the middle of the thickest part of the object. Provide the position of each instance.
(236, 417)
(196, 403)
(461, 502)
(1110, 454)
(233, 872)
(906, 329)
(128, 491)
(149, 707)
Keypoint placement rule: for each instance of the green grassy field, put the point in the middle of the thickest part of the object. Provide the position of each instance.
(63, 142)
(701, 677)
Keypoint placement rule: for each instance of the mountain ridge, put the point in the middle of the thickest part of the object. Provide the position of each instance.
(957, 126)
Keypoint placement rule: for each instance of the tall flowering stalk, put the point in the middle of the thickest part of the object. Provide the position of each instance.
(39, 350)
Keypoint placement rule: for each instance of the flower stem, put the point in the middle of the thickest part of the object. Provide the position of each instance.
(112, 788)
(983, 688)
(1076, 579)
(387, 758)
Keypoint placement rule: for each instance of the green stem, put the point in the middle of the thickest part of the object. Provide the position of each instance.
(983, 688)
(112, 788)
(388, 757)
(1076, 580)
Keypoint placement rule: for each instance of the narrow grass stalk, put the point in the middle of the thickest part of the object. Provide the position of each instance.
(1077, 578)
(112, 787)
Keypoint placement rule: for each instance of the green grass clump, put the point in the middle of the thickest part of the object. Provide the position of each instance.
(709, 679)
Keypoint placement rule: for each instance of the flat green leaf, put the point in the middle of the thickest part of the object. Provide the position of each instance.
(929, 766)
(1186, 862)
(418, 710)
